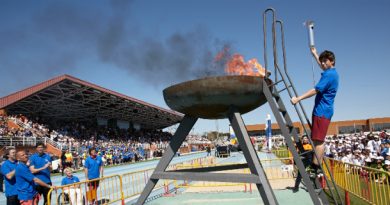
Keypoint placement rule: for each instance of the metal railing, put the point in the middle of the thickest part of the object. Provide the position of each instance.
(371, 185)
(105, 190)
(18, 141)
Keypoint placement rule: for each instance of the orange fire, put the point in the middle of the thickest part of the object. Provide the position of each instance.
(236, 65)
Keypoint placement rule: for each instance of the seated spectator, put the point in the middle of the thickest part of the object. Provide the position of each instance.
(74, 192)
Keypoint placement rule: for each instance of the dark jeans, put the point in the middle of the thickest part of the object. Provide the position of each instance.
(306, 162)
(44, 191)
(13, 200)
(1, 182)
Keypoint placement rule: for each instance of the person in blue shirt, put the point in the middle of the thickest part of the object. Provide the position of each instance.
(325, 92)
(8, 170)
(73, 191)
(386, 149)
(2, 159)
(93, 169)
(40, 166)
(25, 181)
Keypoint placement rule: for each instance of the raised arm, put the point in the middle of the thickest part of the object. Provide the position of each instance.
(315, 55)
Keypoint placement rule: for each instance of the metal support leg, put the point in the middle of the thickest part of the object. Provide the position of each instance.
(180, 135)
(298, 161)
(252, 158)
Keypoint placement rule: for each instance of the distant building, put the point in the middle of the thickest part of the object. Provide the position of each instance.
(336, 127)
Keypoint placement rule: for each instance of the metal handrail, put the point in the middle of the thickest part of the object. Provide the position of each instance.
(280, 23)
(278, 70)
(273, 40)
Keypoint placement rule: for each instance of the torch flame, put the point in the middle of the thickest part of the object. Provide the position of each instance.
(236, 65)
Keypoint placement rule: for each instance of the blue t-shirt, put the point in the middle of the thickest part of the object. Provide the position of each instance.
(38, 162)
(25, 185)
(327, 89)
(6, 168)
(71, 180)
(93, 166)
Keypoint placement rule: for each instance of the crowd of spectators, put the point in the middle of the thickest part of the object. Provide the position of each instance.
(115, 146)
(19, 126)
(370, 150)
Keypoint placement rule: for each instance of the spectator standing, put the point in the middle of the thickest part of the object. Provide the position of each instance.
(63, 162)
(25, 181)
(93, 169)
(1, 174)
(306, 161)
(68, 159)
(208, 148)
(8, 170)
(40, 166)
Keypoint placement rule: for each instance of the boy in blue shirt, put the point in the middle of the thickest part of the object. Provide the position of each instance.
(40, 166)
(25, 181)
(74, 192)
(8, 170)
(325, 92)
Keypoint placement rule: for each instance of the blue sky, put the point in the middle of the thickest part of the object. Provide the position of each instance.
(140, 47)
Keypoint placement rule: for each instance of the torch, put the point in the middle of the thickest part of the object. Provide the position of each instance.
(310, 31)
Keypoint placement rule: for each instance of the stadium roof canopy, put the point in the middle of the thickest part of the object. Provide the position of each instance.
(70, 99)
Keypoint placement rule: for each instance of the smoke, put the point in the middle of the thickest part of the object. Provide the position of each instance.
(182, 56)
(54, 38)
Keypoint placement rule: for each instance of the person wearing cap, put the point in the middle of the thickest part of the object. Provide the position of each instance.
(387, 165)
(345, 158)
(387, 156)
(385, 149)
(379, 165)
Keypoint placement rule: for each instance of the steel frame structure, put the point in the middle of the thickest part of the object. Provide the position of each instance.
(257, 175)
(68, 98)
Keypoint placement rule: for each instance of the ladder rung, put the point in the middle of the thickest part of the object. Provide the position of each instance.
(306, 152)
(279, 91)
(282, 110)
(275, 83)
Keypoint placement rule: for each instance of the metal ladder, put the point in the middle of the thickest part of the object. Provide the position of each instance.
(281, 115)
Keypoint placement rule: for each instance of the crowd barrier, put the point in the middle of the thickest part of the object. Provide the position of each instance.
(104, 190)
(368, 184)
(371, 185)
(282, 153)
(110, 189)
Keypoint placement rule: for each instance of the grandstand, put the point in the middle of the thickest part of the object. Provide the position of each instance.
(66, 100)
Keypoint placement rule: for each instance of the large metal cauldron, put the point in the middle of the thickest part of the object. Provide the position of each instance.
(212, 97)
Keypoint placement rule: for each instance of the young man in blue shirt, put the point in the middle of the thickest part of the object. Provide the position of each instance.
(325, 92)
(40, 166)
(8, 170)
(93, 168)
(25, 181)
